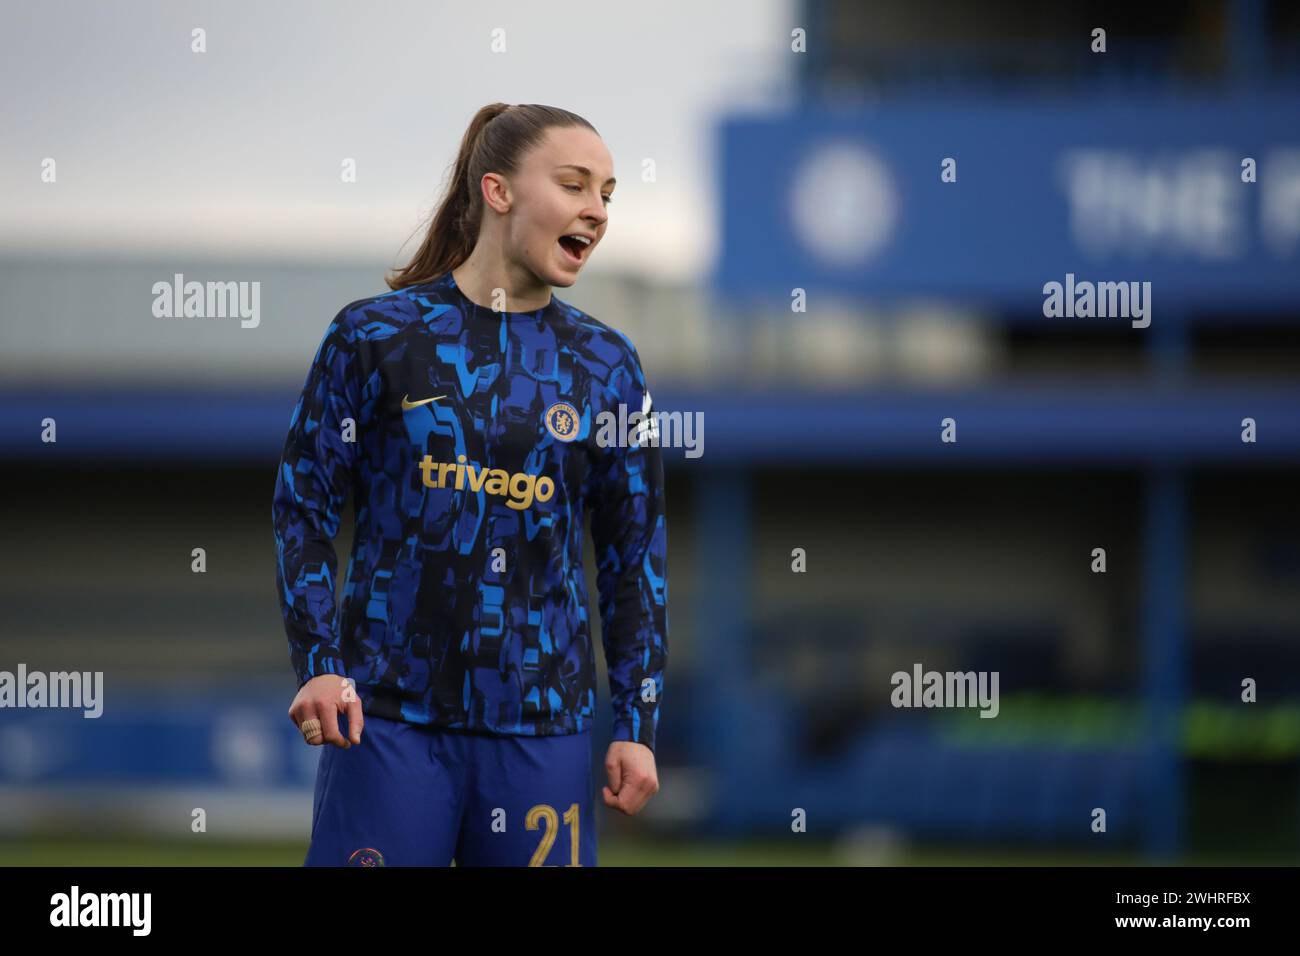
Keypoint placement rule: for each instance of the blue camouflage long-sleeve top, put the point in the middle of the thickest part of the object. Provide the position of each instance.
(474, 444)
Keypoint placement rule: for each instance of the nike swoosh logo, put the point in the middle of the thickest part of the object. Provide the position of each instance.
(407, 403)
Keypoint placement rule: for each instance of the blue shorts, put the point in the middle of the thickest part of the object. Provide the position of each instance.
(412, 795)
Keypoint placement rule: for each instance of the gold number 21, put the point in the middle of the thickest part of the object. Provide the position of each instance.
(545, 813)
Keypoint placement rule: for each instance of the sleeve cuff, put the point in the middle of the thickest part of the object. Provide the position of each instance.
(323, 660)
(637, 728)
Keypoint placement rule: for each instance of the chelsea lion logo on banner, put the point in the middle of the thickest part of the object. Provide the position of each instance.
(562, 421)
(366, 856)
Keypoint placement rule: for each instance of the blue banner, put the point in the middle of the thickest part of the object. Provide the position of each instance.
(989, 201)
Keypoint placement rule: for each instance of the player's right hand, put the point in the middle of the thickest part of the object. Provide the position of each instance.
(325, 697)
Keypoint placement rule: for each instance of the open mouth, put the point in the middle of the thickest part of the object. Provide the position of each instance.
(574, 248)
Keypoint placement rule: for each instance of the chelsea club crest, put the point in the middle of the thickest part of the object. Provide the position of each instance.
(562, 421)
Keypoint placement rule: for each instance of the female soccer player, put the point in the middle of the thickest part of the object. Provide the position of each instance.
(476, 419)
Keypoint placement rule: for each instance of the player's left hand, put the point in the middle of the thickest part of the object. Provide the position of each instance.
(632, 776)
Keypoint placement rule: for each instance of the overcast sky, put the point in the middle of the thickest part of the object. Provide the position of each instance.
(238, 149)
